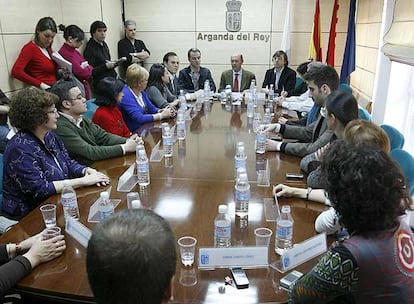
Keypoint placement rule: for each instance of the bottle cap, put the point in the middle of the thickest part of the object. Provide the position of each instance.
(222, 209)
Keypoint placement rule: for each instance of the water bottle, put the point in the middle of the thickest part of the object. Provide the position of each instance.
(137, 149)
(284, 230)
(271, 93)
(182, 101)
(267, 117)
(250, 107)
(252, 85)
(240, 157)
(261, 141)
(105, 207)
(223, 97)
(207, 90)
(254, 96)
(181, 127)
(69, 202)
(167, 142)
(257, 121)
(143, 169)
(222, 228)
(242, 194)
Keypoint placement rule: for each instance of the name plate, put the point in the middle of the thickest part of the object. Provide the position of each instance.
(303, 252)
(78, 231)
(249, 256)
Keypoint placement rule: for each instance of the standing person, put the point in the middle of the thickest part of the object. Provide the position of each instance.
(281, 76)
(237, 77)
(74, 37)
(172, 63)
(107, 116)
(157, 90)
(322, 80)
(36, 161)
(134, 50)
(136, 108)
(86, 141)
(192, 78)
(34, 65)
(97, 54)
(131, 258)
(375, 264)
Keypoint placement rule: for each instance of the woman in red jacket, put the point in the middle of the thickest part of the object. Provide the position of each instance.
(34, 65)
(108, 116)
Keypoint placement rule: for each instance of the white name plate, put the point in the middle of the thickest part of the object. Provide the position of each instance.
(250, 256)
(78, 231)
(304, 251)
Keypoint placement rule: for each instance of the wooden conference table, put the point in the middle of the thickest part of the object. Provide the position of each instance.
(186, 190)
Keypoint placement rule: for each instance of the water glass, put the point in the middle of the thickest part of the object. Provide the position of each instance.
(49, 215)
(51, 232)
(187, 248)
(133, 196)
(263, 236)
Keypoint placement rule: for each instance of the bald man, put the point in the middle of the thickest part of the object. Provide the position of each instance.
(238, 78)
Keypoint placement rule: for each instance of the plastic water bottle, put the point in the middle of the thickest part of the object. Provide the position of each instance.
(261, 141)
(167, 142)
(242, 194)
(182, 101)
(267, 117)
(207, 90)
(240, 157)
(143, 169)
(222, 228)
(69, 202)
(254, 96)
(257, 121)
(284, 230)
(137, 149)
(105, 207)
(271, 93)
(250, 107)
(223, 97)
(181, 127)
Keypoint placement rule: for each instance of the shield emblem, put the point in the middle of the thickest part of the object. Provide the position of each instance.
(233, 21)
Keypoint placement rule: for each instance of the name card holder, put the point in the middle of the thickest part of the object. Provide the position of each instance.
(127, 180)
(245, 257)
(78, 231)
(156, 153)
(301, 253)
(271, 209)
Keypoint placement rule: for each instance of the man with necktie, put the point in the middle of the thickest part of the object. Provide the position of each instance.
(172, 63)
(238, 78)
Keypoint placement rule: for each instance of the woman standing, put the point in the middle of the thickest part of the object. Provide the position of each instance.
(34, 65)
(135, 106)
(74, 37)
(157, 90)
(36, 162)
(107, 116)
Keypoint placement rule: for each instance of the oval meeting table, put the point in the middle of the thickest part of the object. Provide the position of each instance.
(186, 190)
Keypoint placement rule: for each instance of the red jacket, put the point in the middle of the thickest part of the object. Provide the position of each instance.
(110, 119)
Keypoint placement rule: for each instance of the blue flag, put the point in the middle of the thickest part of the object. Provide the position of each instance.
(348, 62)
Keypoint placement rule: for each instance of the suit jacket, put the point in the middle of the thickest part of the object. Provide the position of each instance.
(175, 90)
(185, 83)
(286, 82)
(227, 79)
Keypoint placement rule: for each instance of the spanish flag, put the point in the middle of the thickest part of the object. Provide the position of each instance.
(330, 55)
(315, 50)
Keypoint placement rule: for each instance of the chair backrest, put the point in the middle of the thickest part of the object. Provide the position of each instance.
(406, 162)
(396, 138)
(298, 82)
(344, 87)
(91, 108)
(364, 114)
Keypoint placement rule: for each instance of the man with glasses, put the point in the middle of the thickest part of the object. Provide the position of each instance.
(132, 49)
(193, 77)
(322, 80)
(85, 141)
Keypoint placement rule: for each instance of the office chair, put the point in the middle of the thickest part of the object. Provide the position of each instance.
(406, 162)
(91, 108)
(396, 138)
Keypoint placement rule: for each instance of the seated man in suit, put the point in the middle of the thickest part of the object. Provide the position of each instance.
(85, 141)
(281, 76)
(192, 78)
(131, 258)
(172, 63)
(238, 78)
(322, 80)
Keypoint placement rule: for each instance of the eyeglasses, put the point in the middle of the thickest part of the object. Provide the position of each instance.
(54, 111)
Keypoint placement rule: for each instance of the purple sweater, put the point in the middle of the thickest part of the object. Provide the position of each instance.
(30, 167)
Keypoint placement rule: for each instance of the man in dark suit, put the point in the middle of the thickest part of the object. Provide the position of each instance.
(171, 62)
(281, 76)
(192, 78)
(238, 78)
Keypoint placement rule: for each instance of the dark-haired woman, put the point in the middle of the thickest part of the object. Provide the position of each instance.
(157, 90)
(35, 65)
(375, 264)
(107, 116)
(74, 37)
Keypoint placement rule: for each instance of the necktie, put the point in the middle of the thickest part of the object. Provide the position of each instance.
(236, 82)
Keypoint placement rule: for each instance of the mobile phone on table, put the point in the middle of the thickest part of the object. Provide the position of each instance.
(287, 281)
(240, 278)
(294, 175)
